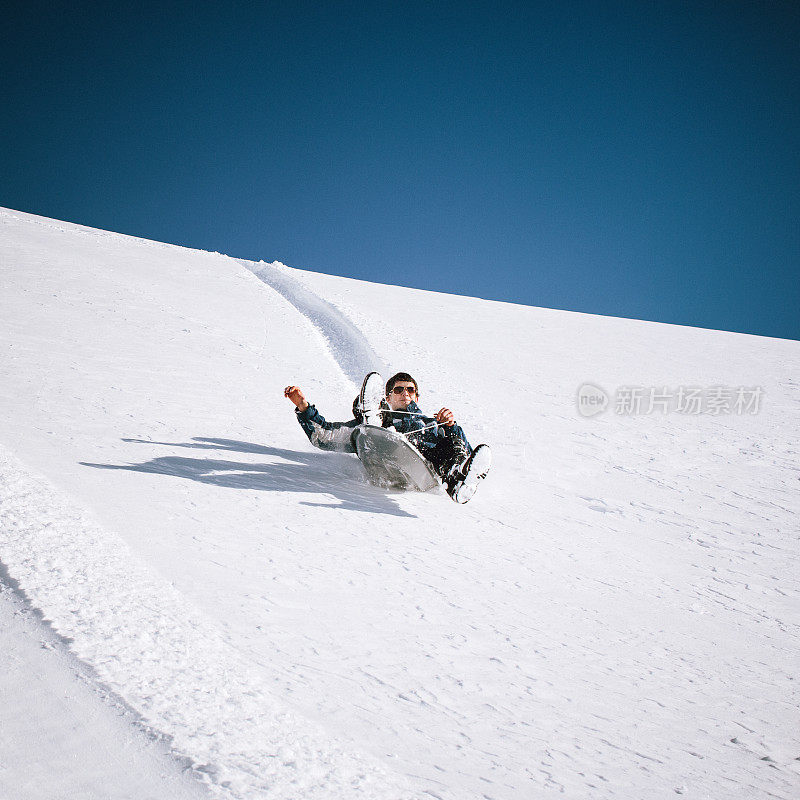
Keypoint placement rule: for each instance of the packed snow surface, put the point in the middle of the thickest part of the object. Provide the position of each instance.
(614, 615)
(62, 735)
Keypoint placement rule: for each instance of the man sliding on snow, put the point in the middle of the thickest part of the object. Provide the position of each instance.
(439, 439)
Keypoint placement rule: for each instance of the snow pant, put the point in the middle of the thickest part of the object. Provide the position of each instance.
(450, 451)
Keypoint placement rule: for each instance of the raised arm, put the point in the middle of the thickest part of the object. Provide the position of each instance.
(295, 394)
(321, 433)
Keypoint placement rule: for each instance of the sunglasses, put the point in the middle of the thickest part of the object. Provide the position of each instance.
(401, 389)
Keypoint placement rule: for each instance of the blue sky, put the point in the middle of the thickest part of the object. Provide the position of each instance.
(624, 158)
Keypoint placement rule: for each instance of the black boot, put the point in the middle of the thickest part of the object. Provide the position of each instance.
(462, 481)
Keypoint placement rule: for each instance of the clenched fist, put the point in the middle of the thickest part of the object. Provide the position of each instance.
(295, 394)
(445, 417)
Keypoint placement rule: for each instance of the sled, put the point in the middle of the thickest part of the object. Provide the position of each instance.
(391, 461)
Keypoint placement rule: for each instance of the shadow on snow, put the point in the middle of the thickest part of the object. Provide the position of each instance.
(335, 474)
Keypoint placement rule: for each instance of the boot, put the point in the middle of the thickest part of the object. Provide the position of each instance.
(462, 481)
(370, 399)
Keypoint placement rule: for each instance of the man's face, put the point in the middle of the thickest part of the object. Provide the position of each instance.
(402, 394)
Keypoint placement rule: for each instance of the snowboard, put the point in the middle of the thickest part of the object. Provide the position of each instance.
(391, 461)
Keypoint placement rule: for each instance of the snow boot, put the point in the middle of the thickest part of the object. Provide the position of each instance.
(462, 481)
(369, 400)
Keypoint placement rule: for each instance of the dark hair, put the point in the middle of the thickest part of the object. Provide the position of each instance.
(400, 376)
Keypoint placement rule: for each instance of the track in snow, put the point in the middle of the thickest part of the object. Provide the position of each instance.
(347, 344)
(125, 621)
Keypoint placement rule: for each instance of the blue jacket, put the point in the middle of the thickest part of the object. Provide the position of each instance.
(424, 440)
(337, 435)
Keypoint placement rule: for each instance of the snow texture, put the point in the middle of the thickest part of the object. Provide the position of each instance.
(348, 345)
(55, 716)
(151, 647)
(614, 615)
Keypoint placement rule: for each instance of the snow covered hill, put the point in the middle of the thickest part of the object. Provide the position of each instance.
(614, 615)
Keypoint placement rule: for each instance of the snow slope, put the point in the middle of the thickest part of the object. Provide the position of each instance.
(614, 615)
(61, 735)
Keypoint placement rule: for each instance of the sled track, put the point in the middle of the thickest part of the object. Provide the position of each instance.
(146, 644)
(348, 345)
